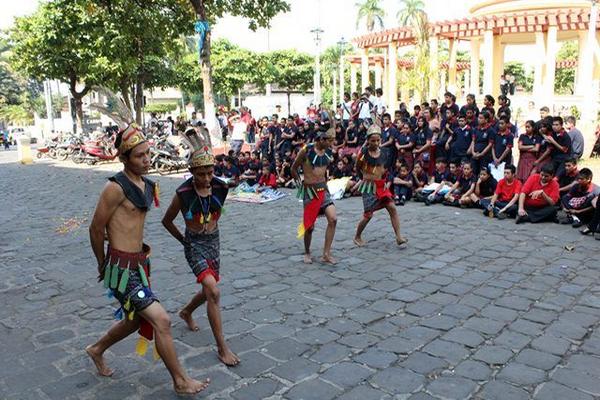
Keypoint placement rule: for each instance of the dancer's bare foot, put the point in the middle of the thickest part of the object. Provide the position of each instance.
(98, 360)
(401, 240)
(359, 242)
(307, 259)
(190, 386)
(328, 259)
(228, 357)
(189, 320)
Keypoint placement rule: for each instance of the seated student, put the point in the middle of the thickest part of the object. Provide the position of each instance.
(402, 183)
(460, 141)
(504, 201)
(539, 197)
(577, 204)
(267, 179)
(250, 175)
(419, 179)
(567, 178)
(231, 170)
(460, 193)
(593, 227)
(219, 165)
(338, 171)
(440, 175)
(484, 188)
(452, 176)
(284, 174)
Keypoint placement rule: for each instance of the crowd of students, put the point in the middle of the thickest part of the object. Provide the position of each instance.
(439, 154)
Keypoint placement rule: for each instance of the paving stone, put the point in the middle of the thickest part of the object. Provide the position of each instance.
(459, 311)
(550, 344)
(512, 340)
(521, 374)
(56, 336)
(451, 387)
(422, 308)
(316, 335)
(449, 351)
(585, 363)
(399, 345)
(296, 369)
(397, 380)
(473, 370)
(464, 336)
(576, 379)
(359, 341)
(77, 383)
(330, 353)
(253, 364)
(495, 390)
(346, 374)
(405, 295)
(376, 358)
(314, 389)
(363, 392)
(537, 359)
(499, 313)
(555, 391)
(423, 363)
(493, 355)
(484, 325)
(441, 322)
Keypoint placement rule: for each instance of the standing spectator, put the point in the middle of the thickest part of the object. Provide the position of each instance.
(238, 134)
(576, 138)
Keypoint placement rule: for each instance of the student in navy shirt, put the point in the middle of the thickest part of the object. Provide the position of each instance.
(460, 141)
(405, 143)
(463, 188)
(449, 104)
(423, 137)
(472, 118)
(442, 147)
(419, 179)
(488, 105)
(389, 135)
(483, 140)
(231, 171)
(471, 105)
(503, 143)
(559, 145)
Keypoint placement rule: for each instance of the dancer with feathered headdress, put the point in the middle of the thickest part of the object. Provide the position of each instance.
(125, 266)
(200, 200)
(314, 159)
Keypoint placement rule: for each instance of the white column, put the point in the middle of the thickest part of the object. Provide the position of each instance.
(538, 74)
(488, 62)
(475, 47)
(467, 82)
(364, 70)
(584, 64)
(452, 48)
(551, 51)
(334, 102)
(442, 85)
(433, 66)
(378, 76)
(393, 76)
(342, 79)
(353, 76)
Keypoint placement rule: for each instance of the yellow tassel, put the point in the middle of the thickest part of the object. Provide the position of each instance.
(301, 230)
(130, 315)
(155, 353)
(127, 304)
(141, 347)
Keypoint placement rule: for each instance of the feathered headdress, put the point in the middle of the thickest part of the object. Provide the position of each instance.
(199, 140)
(116, 109)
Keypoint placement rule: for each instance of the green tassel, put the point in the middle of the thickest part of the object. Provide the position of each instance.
(143, 276)
(114, 276)
(223, 210)
(107, 275)
(363, 187)
(300, 192)
(124, 280)
(314, 192)
(372, 187)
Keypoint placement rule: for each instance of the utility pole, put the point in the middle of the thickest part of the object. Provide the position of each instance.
(317, 79)
(48, 98)
(342, 47)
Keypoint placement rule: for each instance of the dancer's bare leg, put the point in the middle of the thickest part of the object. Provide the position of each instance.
(116, 333)
(186, 312)
(307, 241)
(156, 315)
(329, 233)
(391, 208)
(213, 294)
(359, 230)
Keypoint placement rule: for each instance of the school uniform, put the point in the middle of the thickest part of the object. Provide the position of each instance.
(407, 154)
(461, 141)
(526, 159)
(482, 136)
(505, 192)
(539, 210)
(502, 141)
(558, 156)
(579, 198)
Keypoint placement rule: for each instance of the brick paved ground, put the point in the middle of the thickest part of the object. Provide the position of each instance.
(473, 308)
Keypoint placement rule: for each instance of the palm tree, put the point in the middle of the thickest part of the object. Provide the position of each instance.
(372, 12)
(413, 14)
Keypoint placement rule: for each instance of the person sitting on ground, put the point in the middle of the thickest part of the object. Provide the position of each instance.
(338, 171)
(577, 204)
(268, 180)
(250, 175)
(504, 201)
(402, 183)
(419, 179)
(439, 176)
(568, 177)
(485, 187)
(450, 178)
(284, 174)
(593, 227)
(460, 193)
(231, 171)
(538, 198)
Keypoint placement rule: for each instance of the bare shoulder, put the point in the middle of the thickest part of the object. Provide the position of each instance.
(112, 193)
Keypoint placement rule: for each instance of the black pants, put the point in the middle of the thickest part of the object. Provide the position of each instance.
(594, 223)
(479, 164)
(511, 211)
(547, 213)
(400, 190)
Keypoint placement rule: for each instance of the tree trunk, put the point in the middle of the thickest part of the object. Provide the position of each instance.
(289, 103)
(124, 87)
(78, 100)
(139, 100)
(206, 71)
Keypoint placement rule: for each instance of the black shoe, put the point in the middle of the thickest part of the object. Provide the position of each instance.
(427, 201)
(586, 231)
(597, 235)
(501, 216)
(519, 219)
(576, 222)
(401, 202)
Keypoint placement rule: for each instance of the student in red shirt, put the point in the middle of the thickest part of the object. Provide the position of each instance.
(504, 201)
(267, 179)
(538, 198)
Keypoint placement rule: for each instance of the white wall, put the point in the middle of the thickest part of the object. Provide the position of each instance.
(262, 105)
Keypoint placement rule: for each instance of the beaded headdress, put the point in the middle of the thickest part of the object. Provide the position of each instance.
(199, 140)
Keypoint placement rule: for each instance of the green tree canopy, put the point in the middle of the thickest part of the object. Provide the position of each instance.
(372, 12)
(293, 71)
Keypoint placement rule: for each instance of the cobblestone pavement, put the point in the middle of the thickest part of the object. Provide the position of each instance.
(473, 308)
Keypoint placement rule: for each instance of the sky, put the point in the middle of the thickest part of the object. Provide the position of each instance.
(337, 18)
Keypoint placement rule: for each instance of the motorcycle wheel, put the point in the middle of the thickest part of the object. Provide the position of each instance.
(162, 168)
(90, 162)
(77, 157)
(62, 155)
(52, 153)
(39, 155)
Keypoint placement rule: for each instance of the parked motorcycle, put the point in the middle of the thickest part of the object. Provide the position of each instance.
(94, 151)
(47, 150)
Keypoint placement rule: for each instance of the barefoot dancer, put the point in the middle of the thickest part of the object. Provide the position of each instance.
(125, 267)
(200, 200)
(314, 159)
(375, 187)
